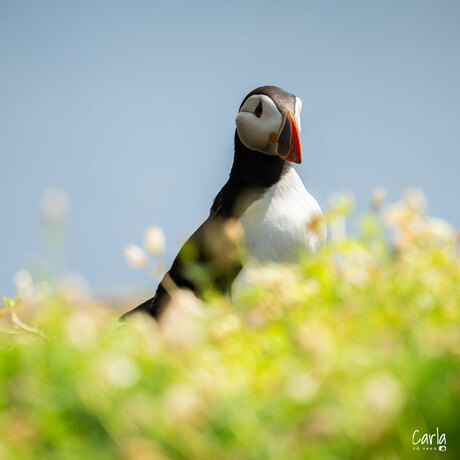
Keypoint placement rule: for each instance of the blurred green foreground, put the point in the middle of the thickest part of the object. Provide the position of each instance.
(342, 356)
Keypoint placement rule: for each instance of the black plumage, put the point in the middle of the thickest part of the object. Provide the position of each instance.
(251, 174)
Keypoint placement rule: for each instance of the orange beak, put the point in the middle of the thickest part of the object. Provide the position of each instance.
(288, 140)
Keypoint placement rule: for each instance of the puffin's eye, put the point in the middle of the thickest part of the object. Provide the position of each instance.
(259, 110)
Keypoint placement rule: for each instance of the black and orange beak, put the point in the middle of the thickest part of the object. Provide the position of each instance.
(288, 139)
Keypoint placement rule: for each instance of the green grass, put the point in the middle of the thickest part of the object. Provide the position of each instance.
(343, 355)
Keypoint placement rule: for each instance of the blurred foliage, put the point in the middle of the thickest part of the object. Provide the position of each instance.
(343, 355)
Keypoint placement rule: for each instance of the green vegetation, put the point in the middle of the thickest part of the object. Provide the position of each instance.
(344, 355)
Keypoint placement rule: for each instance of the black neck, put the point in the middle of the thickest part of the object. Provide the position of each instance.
(251, 174)
(255, 169)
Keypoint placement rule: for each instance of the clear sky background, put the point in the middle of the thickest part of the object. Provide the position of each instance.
(130, 106)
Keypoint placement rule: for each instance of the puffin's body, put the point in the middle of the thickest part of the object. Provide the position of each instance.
(263, 193)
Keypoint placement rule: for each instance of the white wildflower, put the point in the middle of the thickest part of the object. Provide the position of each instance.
(54, 204)
(120, 371)
(384, 394)
(438, 229)
(179, 323)
(135, 256)
(182, 403)
(24, 284)
(154, 240)
(415, 199)
(302, 386)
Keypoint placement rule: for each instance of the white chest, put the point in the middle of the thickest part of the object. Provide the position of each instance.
(276, 225)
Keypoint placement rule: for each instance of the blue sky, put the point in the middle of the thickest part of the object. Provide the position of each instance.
(130, 106)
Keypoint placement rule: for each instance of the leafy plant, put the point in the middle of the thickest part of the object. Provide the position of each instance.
(343, 355)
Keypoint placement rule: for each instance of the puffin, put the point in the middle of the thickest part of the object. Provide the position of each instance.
(264, 195)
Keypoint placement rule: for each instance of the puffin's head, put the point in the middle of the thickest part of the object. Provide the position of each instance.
(269, 122)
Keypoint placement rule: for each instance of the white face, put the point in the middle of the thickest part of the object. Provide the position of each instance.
(259, 121)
